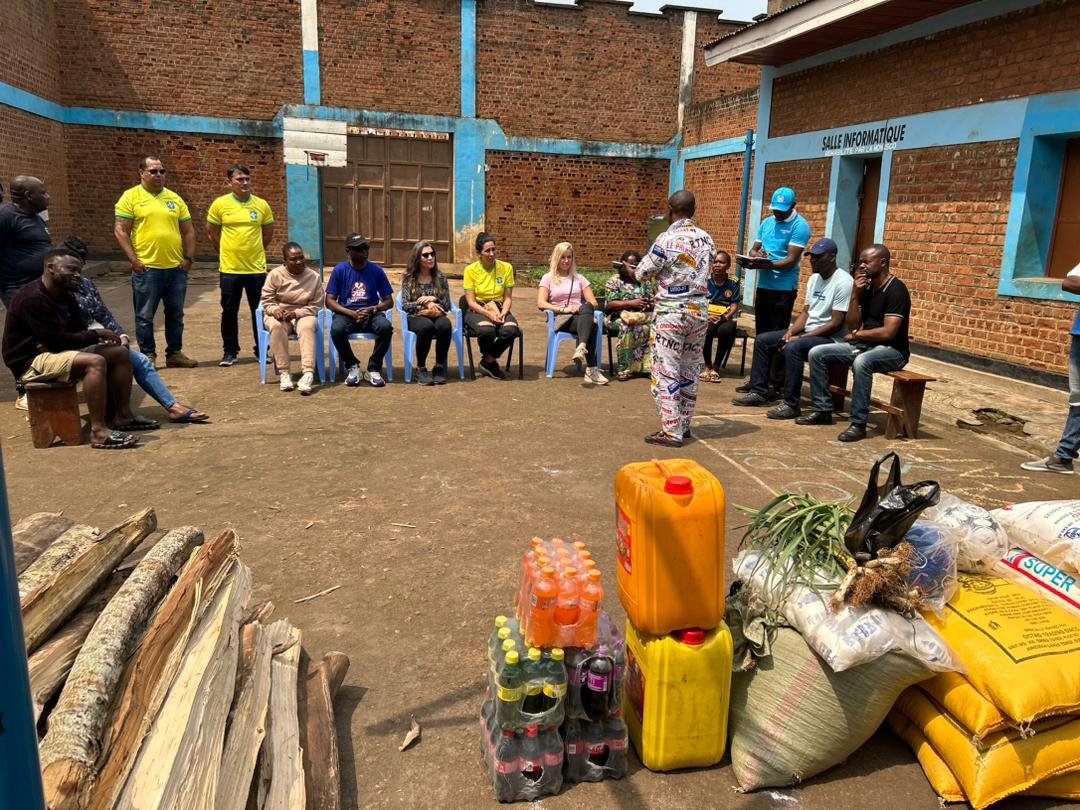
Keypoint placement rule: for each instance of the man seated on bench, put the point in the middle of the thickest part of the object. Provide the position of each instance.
(45, 341)
(878, 318)
(821, 322)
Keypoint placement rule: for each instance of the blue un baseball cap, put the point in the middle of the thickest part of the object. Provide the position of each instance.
(783, 199)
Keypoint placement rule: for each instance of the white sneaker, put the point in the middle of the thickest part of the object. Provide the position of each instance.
(353, 378)
(1049, 464)
(307, 381)
(580, 353)
(595, 375)
(375, 378)
(21, 403)
(285, 381)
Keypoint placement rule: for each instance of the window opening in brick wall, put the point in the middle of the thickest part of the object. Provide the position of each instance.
(1065, 242)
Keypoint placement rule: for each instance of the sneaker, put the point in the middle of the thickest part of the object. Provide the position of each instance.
(580, 353)
(285, 382)
(438, 375)
(307, 382)
(423, 376)
(815, 418)
(751, 400)
(853, 433)
(663, 439)
(152, 357)
(1052, 464)
(491, 369)
(352, 379)
(180, 360)
(226, 361)
(783, 411)
(595, 376)
(375, 378)
(21, 404)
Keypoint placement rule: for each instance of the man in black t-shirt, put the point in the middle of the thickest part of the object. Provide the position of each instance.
(878, 319)
(24, 239)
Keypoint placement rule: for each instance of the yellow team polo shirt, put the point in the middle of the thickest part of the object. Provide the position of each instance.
(488, 285)
(241, 226)
(155, 234)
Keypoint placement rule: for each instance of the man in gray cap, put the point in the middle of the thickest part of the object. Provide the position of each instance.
(828, 295)
(359, 294)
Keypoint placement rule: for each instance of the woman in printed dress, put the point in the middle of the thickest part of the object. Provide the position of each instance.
(625, 294)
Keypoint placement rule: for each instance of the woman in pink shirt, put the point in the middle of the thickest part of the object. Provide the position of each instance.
(564, 291)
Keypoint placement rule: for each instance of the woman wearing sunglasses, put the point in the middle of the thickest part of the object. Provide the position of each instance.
(425, 299)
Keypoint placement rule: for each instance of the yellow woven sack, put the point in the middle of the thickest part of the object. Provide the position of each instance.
(955, 694)
(1022, 653)
(939, 776)
(1009, 763)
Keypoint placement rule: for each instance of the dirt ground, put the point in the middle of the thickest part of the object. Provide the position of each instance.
(421, 501)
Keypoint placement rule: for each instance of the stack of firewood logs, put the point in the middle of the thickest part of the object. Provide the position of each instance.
(156, 684)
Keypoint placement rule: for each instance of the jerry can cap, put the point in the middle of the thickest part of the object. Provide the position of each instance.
(693, 636)
(679, 485)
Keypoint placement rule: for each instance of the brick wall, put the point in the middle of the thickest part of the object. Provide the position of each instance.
(725, 117)
(1036, 50)
(35, 146)
(592, 71)
(717, 184)
(28, 45)
(102, 163)
(723, 79)
(383, 55)
(227, 58)
(601, 205)
(947, 240)
(810, 179)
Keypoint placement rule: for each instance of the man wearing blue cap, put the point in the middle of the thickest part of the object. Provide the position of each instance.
(828, 295)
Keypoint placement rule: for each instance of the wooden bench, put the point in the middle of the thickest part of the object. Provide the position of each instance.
(54, 413)
(904, 407)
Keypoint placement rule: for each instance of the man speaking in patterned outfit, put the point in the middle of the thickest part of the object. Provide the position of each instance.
(679, 260)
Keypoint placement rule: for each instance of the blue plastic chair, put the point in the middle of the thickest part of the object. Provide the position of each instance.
(333, 364)
(408, 337)
(264, 343)
(555, 338)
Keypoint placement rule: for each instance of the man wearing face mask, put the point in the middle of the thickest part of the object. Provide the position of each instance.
(781, 240)
(24, 237)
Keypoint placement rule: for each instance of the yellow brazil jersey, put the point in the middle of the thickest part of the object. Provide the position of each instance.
(155, 232)
(241, 226)
(488, 285)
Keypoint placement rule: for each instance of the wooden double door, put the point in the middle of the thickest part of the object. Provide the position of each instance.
(395, 191)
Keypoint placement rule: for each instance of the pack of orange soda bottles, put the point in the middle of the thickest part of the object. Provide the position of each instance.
(558, 601)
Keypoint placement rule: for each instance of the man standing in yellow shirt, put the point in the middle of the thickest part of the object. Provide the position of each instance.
(241, 226)
(153, 227)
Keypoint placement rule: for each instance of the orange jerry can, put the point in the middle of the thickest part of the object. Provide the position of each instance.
(669, 530)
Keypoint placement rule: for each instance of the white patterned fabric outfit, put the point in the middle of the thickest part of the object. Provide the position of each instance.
(680, 260)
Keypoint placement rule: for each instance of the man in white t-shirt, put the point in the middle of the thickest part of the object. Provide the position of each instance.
(1069, 447)
(828, 294)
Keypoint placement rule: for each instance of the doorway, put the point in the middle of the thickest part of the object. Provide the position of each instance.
(868, 204)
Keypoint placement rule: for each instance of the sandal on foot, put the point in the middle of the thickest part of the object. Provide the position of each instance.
(192, 415)
(663, 439)
(116, 441)
(139, 423)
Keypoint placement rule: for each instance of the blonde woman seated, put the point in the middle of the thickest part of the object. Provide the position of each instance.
(567, 293)
(291, 299)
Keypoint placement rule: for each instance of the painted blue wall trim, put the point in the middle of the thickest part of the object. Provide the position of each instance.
(975, 12)
(713, 148)
(883, 195)
(304, 209)
(312, 78)
(761, 158)
(28, 102)
(468, 58)
(844, 203)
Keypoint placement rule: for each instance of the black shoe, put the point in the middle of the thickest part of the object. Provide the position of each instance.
(783, 411)
(853, 433)
(751, 400)
(438, 375)
(227, 360)
(815, 418)
(423, 376)
(743, 389)
(491, 368)
(772, 395)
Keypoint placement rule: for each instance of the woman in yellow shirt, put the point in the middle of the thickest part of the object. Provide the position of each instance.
(489, 291)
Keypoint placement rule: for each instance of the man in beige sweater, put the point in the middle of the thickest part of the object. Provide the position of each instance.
(292, 296)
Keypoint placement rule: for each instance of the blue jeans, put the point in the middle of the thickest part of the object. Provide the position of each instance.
(154, 287)
(149, 380)
(766, 346)
(1069, 447)
(863, 366)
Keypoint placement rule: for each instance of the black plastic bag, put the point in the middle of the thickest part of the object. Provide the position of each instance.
(888, 510)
